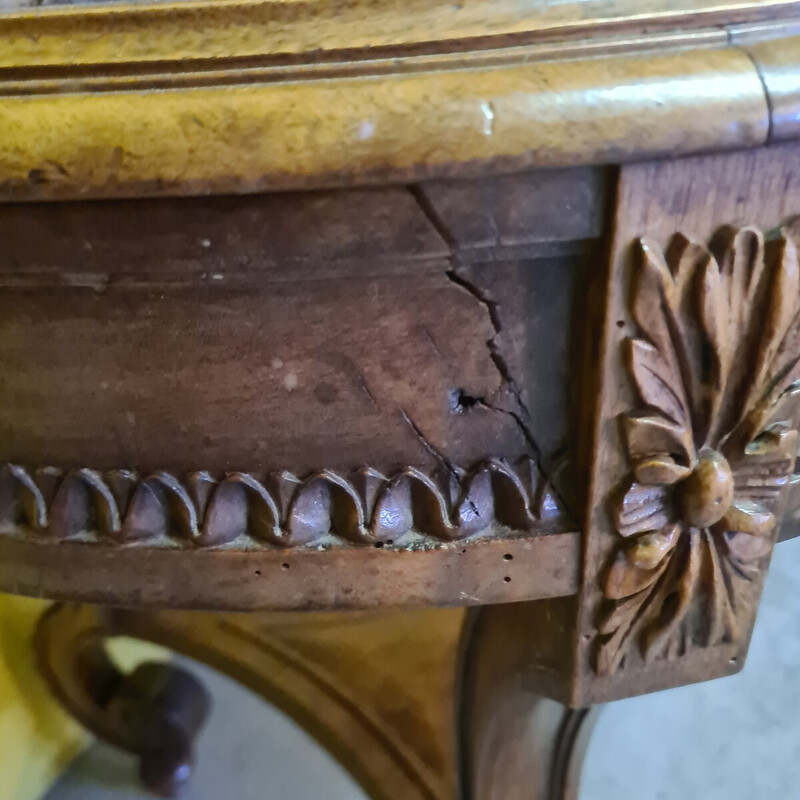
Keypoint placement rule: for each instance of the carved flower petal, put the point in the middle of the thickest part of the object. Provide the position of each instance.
(647, 550)
(660, 471)
(649, 435)
(656, 380)
(746, 517)
(654, 289)
(776, 316)
(747, 548)
(785, 409)
(623, 580)
(642, 508)
(766, 466)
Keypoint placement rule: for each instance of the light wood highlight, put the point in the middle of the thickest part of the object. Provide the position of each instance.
(778, 62)
(248, 138)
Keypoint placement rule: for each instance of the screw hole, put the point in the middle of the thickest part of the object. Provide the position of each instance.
(508, 557)
(378, 545)
(620, 323)
(285, 565)
(258, 572)
(506, 579)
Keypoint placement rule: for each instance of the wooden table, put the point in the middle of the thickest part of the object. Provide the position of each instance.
(477, 321)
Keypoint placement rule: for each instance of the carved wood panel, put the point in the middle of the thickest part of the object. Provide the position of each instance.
(694, 438)
(711, 444)
(407, 509)
(329, 399)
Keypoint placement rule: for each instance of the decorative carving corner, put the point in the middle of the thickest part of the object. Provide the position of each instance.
(711, 443)
(410, 508)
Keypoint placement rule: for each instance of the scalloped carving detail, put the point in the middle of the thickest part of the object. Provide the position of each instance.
(410, 507)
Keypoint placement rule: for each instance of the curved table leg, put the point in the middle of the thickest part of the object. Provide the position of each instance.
(375, 689)
(515, 743)
(383, 692)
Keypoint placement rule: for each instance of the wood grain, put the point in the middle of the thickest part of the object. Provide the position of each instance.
(323, 349)
(245, 358)
(465, 573)
(340, 131)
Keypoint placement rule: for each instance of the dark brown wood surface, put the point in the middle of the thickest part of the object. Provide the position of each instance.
(292, 332)
(372, 371)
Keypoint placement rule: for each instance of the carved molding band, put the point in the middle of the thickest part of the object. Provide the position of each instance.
(410, 508)
(711, 446)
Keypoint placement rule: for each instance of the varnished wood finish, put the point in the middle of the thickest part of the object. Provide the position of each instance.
(384, 693)
(698, 197)
(457, 574)
(777, 64)
(411, 349)
(368, 130)
(712, 445)
(246, 28)
(513, 740)
(571, 387)
(264, 95)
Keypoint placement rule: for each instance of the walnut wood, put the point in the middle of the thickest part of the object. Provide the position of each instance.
(300, 369)
(488, 571)
(305, 379)
(776, 59)
(790, 525)
(263, 96)
(398, 395)
(247, 28)
(381, 692)
(155, 711)
(696, 196)
(512, 738)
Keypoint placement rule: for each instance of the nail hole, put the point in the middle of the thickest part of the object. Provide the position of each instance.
(508, 557)
(284, 565)
(378, 545)
(506, 579)
(461, 401)
(463, 551)
(620, 323)
(258, 572)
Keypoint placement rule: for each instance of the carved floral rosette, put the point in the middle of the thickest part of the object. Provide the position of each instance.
(711, 444)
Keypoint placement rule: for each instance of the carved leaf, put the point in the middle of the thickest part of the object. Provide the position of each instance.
(623, 579)
(647, 551)
(648, 436)
(656, 381)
